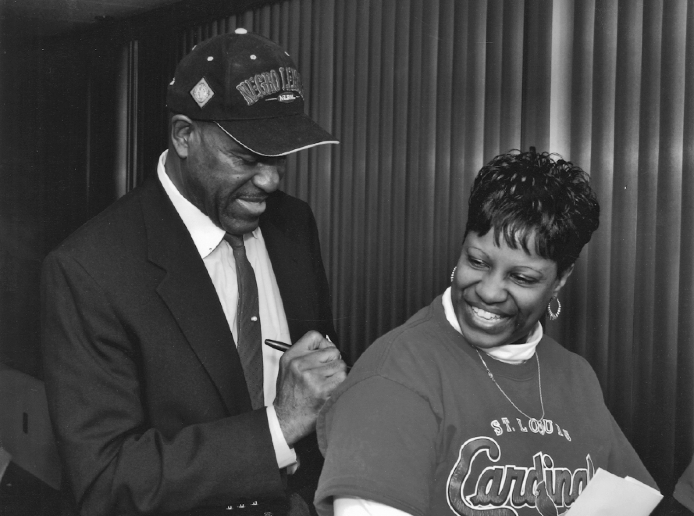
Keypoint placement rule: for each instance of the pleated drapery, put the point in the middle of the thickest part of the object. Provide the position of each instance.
(421, 93)
(629, 123)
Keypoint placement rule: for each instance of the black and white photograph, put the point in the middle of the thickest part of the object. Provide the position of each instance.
(347, 257)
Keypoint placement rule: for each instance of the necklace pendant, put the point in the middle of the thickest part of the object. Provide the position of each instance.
(489, 373)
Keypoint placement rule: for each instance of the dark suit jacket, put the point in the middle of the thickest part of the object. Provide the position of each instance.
(145, 388)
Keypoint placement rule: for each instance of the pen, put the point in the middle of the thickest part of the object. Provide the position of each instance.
(283, 346)
(278, 345)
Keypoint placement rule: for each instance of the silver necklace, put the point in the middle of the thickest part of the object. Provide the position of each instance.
(539, 383)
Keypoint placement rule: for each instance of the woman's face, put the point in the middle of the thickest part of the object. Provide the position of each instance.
(498, 292)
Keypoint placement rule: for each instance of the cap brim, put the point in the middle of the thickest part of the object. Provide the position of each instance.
(277, 136)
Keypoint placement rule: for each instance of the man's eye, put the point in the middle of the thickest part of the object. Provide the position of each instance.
(246, 161)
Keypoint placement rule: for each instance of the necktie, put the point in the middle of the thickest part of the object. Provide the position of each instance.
(248, 321)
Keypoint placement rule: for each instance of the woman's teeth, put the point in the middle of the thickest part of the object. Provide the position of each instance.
(485, 315)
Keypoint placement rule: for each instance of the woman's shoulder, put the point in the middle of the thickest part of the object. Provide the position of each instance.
(555, 350)
(417, 338)
(565, 361)
(410, 355)
(404, 362)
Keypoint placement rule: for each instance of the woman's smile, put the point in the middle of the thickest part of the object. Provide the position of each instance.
(485, 316)
(484, 320)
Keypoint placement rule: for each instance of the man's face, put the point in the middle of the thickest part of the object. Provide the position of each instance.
(226, 181)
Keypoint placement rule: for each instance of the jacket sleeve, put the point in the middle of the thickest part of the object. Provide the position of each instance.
(115, 460)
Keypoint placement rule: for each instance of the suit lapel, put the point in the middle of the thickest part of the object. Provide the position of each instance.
(284, 254)
(189, 294)
(292, 267)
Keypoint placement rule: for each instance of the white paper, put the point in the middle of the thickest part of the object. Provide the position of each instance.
(608, 495)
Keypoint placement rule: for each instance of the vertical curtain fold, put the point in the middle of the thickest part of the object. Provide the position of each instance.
(600, 167)
(537, 61)
(646, 262)
(668, 223)
(573, 330)
(684, 440)
(401, 112)
(621, 360)
(511, 93)
(412, 149)
(442, 90)
(374, 181)
(385, 99)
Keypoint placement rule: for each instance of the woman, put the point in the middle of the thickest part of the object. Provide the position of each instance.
(468, 408)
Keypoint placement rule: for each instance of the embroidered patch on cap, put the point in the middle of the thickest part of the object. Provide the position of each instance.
(202, 93)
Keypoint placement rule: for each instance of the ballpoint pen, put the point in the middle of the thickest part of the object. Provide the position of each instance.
(283, 346)
(278, 345)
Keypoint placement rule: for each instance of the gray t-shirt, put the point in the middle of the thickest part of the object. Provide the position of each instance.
(420, 426)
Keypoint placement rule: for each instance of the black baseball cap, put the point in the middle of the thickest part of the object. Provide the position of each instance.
(250, 87)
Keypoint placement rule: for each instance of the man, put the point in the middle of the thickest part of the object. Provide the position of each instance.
(162, 397)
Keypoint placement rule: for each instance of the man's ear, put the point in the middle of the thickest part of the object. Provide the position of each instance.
(181, 128)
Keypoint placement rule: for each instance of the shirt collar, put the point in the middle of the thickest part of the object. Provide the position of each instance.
(510, 353)
(206, 234)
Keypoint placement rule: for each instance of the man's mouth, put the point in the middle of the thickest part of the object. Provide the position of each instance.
(253, 198)
(252, 205)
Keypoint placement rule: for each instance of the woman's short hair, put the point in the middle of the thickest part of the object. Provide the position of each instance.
(519, 193)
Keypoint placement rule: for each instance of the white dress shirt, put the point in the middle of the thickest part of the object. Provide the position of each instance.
(219, 260)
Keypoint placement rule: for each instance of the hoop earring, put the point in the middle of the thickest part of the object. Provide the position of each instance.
(453, 273)
(553, 316)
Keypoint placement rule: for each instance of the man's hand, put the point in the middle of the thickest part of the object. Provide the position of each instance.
(309, 372)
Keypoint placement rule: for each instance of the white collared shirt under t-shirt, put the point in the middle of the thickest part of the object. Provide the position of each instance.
(218, 258)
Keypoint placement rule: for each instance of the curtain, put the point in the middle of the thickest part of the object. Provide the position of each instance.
(421, 93)
(627, 120)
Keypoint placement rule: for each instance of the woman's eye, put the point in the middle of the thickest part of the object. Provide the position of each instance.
(475, 262)
(524, 280)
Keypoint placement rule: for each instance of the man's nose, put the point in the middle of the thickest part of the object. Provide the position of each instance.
(269, 175)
